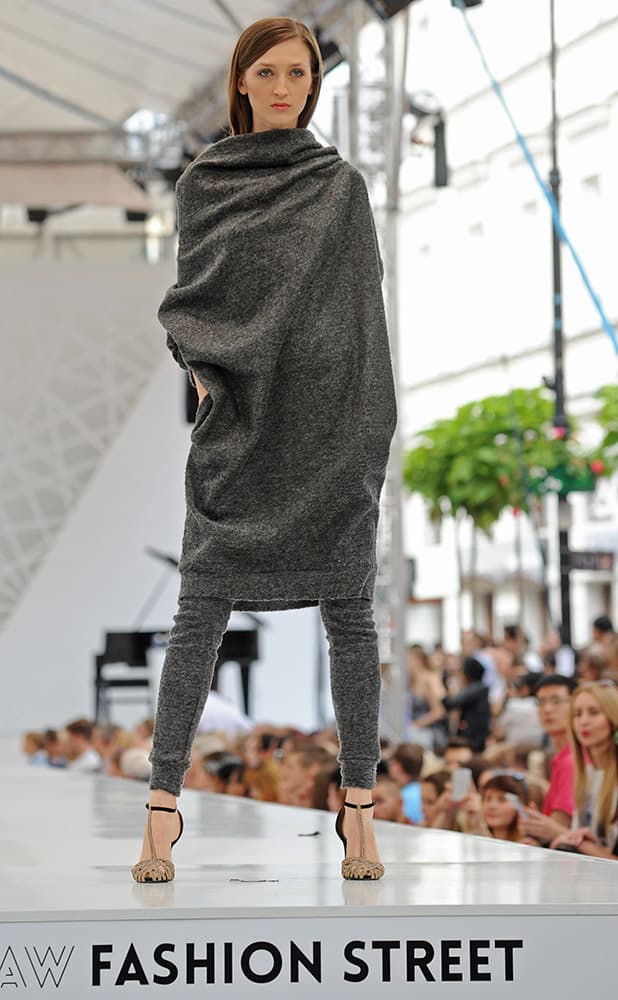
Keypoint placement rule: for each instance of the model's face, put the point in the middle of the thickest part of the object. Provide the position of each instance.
(553, 704)
(590, 724)
(281, 76)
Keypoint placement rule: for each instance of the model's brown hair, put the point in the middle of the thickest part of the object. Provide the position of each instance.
(255, 40)
(606, 695)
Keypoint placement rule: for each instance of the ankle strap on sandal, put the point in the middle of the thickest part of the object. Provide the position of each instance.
(163, 809)
(357, 805)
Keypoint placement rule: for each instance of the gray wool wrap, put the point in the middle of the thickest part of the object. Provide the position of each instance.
(278, 309)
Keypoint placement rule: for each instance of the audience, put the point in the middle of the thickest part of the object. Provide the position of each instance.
(298, 771)
(388, 800)
(472, 704)
(425, 715)
(405, 764)
(81, 753)
(540, 747)
(553, 699)
(594, 730)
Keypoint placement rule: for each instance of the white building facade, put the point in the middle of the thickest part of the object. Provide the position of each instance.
(475, 280)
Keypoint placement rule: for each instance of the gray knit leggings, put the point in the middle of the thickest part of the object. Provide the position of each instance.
(195, 637)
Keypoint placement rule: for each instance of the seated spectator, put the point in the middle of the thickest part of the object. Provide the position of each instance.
(298, 771)
(80, 750)
(327, 791)
(472, 703)
(594, 727)
(602, 631)
(519, 722)
(553, 699)
(107, 739)
(387, 798)
(196, 776)
(263, 781)
(231, 777)
(591, 664)
(133, 763)
(549, 662)
(502, 799)
(55, 748)
(405, 764)
(432, 788)
(142, 733)
(457, 754)
(33, 745)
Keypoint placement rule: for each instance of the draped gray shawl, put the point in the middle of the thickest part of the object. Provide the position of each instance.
(278, 310)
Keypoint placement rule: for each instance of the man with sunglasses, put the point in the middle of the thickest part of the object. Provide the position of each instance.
(553, 698)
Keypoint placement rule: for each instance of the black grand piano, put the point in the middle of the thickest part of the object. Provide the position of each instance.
(130, 648)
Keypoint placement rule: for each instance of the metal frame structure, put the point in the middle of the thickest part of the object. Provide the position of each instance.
(201, 116)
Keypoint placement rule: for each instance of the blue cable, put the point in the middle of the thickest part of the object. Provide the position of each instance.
(607, 326)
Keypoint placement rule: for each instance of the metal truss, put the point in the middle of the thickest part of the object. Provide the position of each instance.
(162, 145)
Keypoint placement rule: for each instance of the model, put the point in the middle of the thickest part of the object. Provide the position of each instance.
(278, 315)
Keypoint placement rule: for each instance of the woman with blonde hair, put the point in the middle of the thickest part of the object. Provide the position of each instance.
(278, 315)
(594, 736)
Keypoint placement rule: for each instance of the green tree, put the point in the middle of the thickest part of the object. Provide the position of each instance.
(608, 420)
(495, 453)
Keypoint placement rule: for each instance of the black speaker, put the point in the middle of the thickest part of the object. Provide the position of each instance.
(37, 215)
(132, 216)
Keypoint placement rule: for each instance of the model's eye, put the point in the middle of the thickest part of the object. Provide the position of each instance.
(301, 71)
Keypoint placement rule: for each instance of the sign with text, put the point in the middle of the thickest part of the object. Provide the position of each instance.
(465, 956)
(592, 560)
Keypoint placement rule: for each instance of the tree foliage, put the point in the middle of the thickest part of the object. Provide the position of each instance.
(493, 453)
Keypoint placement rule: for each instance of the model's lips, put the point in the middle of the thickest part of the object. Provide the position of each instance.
(280, 105)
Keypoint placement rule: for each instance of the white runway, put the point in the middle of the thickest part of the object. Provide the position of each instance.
(258, 906)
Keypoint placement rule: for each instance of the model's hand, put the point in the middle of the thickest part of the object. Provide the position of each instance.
(201, 391)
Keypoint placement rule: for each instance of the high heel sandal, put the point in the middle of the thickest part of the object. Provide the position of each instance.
(155, 869)
(361, 867)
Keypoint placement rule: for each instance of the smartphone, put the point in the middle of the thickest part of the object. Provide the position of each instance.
(462, 779)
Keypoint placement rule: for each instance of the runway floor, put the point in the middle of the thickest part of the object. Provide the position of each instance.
(67, 842)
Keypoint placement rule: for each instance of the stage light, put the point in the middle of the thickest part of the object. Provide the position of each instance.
(329, 50)
(388, 8)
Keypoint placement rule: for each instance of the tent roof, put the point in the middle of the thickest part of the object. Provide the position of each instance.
(78, 64)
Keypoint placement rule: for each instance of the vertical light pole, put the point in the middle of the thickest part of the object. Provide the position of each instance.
(561, 423)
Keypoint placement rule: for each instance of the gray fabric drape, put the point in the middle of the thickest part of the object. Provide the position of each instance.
(278, 310)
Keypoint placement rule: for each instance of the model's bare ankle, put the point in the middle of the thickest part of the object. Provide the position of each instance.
(359, 795)
(159, 797)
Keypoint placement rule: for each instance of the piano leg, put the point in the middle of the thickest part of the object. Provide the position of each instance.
(245, 667)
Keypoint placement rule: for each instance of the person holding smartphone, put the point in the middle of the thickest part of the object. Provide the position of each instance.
(502, 800)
